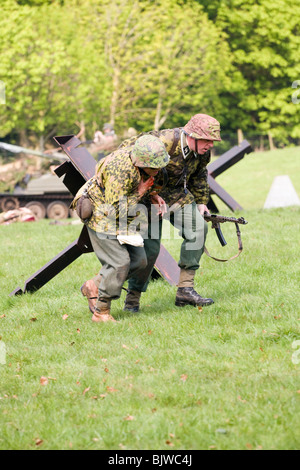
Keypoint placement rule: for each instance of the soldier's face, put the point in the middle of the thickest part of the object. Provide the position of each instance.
(198, 145)
(151, 171)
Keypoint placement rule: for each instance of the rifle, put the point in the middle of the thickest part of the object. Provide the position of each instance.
(216, 220)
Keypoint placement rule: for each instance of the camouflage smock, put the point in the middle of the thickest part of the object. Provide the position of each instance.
(192, 169)
(113, 192)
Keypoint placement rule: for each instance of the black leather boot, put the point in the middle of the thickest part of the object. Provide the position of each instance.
(188, 296)
(132, 301)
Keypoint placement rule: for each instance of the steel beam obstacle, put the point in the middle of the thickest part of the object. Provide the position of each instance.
(221, 164)
(81, 167)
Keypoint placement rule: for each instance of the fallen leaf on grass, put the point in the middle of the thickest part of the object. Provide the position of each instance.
(86, 390)
(38, 442)
(2, 316)
(169, 443)
(240, 398)
(65, 316)
(129, 418)
(33, 319)
(183, 377)
(78, 330)
(125, 347)
(43, 380)
(111, 389)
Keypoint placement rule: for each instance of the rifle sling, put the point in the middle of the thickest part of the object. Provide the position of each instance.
(238, 233)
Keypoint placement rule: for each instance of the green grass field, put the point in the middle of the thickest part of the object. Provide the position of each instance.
(168, 378)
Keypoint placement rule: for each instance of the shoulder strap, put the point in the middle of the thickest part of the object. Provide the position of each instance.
(175, 142)
(239, 244)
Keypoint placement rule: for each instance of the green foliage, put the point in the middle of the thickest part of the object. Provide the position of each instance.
(159, 66)
(264, 40)
(50, 85)
(148, 65)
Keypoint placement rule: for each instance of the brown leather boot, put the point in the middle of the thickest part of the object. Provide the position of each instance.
(132, 301)
(90, 291)
(186, 294)
(102, 311)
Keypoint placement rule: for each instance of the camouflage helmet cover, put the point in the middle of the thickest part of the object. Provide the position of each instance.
(107, 125)
(202, 126)
(149, 152)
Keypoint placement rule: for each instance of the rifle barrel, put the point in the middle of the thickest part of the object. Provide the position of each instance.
(221, 219)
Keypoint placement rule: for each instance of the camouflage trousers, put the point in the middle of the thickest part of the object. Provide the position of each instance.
(192, 228)
(119, 262)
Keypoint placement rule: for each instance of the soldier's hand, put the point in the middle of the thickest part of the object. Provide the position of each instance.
(145, 185)
(203, 208)
(159, 203)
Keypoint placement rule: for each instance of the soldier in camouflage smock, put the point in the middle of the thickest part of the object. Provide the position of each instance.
(104, 204)
(187, 194)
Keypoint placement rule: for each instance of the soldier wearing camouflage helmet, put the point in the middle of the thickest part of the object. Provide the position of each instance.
(108, 200)
(186, 194)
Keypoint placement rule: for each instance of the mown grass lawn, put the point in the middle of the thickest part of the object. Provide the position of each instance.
(226, 377)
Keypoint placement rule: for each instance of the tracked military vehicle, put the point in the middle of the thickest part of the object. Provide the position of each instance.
(46, 196)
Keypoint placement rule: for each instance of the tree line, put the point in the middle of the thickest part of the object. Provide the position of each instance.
(140, 64)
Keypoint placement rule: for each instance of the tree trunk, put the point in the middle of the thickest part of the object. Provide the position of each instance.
(115, 96)
(157, 115)
(81, 133)
(39, 160)
(23, 139)
(271, 143)
(240, 136)
(41, 143)
(261, 143)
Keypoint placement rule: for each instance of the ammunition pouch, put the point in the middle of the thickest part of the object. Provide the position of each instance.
(84, 208)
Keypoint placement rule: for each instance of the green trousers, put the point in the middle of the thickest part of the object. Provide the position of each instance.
(192, 228)
(119, 262)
